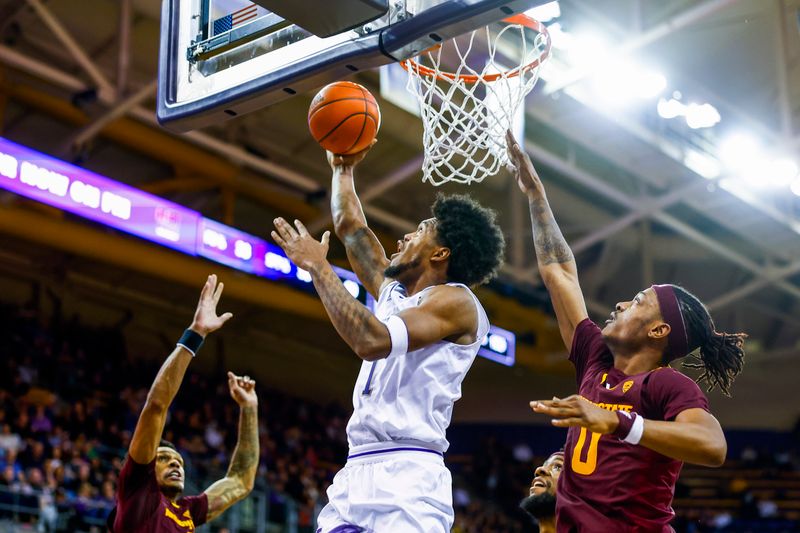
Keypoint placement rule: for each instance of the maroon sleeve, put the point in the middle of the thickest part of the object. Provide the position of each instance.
(198, 507)
(137, 494)
(589, 351)
(668, 393)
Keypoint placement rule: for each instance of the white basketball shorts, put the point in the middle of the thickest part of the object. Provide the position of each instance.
(389, 488)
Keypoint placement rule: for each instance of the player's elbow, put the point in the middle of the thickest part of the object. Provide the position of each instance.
(714, 451)
(247, 486)
(372, 348)
(344, 224)
(371, 353)
(154, 405)
(556, 275)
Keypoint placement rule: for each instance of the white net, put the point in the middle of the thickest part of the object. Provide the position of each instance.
(466, 111)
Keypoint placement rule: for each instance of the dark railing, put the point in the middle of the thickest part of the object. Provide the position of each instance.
(251, 515)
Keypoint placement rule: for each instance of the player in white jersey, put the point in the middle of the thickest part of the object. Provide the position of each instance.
(417, 348)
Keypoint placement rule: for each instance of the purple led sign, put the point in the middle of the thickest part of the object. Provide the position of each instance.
(231, 247)
(80, 191)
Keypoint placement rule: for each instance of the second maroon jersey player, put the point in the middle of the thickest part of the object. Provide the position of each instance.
(635, 420)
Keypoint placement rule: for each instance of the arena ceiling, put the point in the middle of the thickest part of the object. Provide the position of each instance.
(77, 80)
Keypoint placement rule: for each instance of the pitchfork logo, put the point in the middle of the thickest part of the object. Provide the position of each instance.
(627, 386)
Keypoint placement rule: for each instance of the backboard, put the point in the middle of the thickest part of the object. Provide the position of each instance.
(224, 58)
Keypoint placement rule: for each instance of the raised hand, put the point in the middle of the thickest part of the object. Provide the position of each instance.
(303, 249)
(576, 411)
(340, 162)
(205, 317)
(521, 166)
(242, 389)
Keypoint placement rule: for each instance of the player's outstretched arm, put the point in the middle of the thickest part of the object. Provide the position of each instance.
(365, 253)
(148, 430)
(238, 482)
(553, 255)
(694, 436)
(440, 316)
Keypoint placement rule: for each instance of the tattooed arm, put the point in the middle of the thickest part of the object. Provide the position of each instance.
(364, 251)
(556, 262)
(443, 314)
(238, 483)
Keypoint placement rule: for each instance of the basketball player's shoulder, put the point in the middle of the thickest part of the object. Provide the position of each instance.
(449, 296)
(666, 376)
(451, 301)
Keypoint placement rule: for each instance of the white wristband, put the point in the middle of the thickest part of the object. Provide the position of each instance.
(637, 429)
(398, 333)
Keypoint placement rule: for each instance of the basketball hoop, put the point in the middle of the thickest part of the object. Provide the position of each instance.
(466, 112)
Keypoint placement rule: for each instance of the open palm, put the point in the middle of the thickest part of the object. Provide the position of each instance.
(205, 317)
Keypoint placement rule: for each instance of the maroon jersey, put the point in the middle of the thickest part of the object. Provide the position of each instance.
(608, 484)
(141, 508)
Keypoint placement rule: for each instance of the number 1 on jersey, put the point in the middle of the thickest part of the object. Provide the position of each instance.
(367, 390)
(579, 466)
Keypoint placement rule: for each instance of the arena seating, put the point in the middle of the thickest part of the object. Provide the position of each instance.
(67, 411)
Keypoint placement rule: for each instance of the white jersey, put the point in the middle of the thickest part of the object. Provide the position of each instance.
(409, 398)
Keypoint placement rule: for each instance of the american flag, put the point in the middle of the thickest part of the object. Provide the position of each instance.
(230, 21)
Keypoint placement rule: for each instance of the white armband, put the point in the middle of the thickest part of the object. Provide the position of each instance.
(636, 432)
(398, 334)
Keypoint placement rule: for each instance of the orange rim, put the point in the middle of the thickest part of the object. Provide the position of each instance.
(520, 19)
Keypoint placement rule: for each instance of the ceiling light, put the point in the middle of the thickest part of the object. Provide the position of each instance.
(701, 116)
(670, 108)
(702, 164)
(739, 151)
(782, 171)
(620, 82)
(795, 187)
(545, 12)
(560, 38)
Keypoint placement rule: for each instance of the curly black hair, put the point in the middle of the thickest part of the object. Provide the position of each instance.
(721, 355)
(476, 242)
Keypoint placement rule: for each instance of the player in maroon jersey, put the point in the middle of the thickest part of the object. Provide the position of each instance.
(635, 419)
(151, 481)
(540, 503)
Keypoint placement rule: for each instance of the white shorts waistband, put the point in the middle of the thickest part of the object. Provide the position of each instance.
(384, 450)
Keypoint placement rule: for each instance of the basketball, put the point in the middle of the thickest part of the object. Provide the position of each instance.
(344, 117)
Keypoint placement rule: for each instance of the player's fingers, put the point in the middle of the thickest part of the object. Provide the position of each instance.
(231, 378)
(206, 288)
(277, 238)
(284, 229)
(554, 410)
(225, 317)
(567, 422)
(301, 228)
(326, 237)
(218, 292)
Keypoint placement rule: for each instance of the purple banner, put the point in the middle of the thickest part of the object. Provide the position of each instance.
(80, 191)
(231, 247)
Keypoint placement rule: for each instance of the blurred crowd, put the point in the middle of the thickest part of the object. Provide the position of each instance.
(70, 396)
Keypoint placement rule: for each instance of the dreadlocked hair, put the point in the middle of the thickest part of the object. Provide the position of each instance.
(721, 355)
(475, 240)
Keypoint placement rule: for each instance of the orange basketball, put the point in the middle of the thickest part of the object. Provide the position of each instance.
(344, 117)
